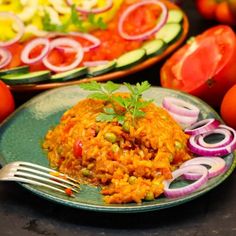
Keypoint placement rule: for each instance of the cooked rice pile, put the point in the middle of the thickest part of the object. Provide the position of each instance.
(129, 164)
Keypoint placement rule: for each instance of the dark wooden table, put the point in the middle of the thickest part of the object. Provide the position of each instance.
(214, 214)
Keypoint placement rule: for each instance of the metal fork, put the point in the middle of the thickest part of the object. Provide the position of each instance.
(30, 173)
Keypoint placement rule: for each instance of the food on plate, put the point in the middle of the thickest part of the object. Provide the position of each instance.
(7, 104)
(204, 66)
(222, 11)
(60, 37)
(128, 146)
(228, 108)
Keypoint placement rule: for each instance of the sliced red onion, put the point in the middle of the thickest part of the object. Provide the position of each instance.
(108, 6)
(96, 41)
(213, 151)
(202, 126)
(65, 42)
(5, 57)
(217, 166)
(30, 46)
(182, 191)
(183, 120)
(19, 25)
(160, 23)
(180, 107)
(226, 140)
(94, 63)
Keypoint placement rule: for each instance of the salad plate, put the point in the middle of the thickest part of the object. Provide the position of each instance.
(22, 134)
(44, 82)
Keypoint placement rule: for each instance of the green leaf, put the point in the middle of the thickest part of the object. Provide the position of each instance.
(110, 87)
(143, 104)
(109, 110)
(99, 96)
(102, 117)
(138, 113)
(119, 100)
(91, 86)
(129, 86)
(143, 86)
(120, 119)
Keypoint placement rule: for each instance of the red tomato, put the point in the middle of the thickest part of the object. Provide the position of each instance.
(221, 10)
(77, 149)
(15, 50)
(228, 107)
(206, 67)
(7, 104)
(207, 8)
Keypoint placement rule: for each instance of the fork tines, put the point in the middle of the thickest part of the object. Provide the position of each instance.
(35, 174)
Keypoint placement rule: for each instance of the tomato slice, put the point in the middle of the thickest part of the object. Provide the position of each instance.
(203, 67)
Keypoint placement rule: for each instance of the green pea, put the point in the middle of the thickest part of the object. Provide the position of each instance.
(85, 172)
(171, 157)
(178, 145)
(110, 137)
(132, 179)
(115, 147)
(126, 126)
(149, 196)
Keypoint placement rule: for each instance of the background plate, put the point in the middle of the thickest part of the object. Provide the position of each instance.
(22, 133)
(117, 74)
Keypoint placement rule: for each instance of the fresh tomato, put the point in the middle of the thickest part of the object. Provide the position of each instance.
(15, 50)
(77, 149)
(7, 104)
(223, 11)
(205, 66)
(228, 107)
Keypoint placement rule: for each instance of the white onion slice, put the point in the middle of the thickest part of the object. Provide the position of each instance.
(107, 7)
(65, 42)
(182, 191)
(180, 107)
(202, 126)
(96, 41)
(226, 140)
(5, 57)
(17, 23)
(217, 166)
(160, 22)
(30, 46)
(183, 120)
(213, 151)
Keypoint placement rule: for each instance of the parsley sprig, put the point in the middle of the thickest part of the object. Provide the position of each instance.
(74, 19)
(131, 105)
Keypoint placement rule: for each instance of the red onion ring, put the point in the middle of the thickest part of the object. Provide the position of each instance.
(202, 126)
(94, 63)
(20, 27)
(65, 42)
(182, 191)
(227, 138)
(96, 41)
(161, 22)
(5, 57)
(217, 166)
(180, 107)
(183, 120)
(107, 7)
(214, 151)
(30, 46)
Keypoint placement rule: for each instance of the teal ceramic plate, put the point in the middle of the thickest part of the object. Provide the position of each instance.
(21, 136)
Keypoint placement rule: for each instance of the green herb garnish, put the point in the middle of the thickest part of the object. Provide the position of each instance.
(132, 104)
(74, 19)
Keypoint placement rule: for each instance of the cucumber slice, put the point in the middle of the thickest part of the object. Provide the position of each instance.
(69, 75)
(101, 69)
(16, 70)
(154, 47)
(28, 78)
(175, 16)
(130, 59)
(169, 32)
